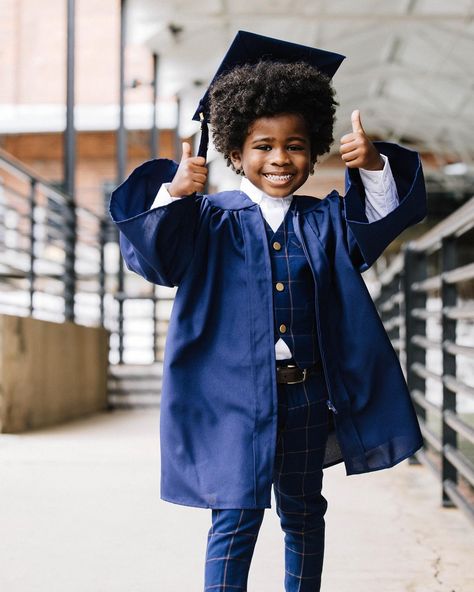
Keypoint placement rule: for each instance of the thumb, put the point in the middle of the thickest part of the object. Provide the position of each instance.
(187, 153)
(356, 122)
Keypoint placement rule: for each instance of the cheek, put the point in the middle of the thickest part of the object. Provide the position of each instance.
(253, 161)
(306, 164)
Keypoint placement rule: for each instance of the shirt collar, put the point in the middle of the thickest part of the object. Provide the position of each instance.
(257, 195)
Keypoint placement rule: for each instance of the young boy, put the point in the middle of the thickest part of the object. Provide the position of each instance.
(277, 364)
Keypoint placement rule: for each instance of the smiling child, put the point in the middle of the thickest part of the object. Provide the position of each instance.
(277, 364)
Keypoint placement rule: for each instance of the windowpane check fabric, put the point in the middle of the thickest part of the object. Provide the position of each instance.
(293, 293)
(297, 483)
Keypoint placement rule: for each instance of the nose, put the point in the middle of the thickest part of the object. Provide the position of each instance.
(280, 157)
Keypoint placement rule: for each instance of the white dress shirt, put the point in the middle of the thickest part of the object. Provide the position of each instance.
(380, 199)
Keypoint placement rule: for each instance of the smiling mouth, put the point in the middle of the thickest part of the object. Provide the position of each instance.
(279, 178)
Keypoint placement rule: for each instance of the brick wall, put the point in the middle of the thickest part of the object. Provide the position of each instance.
(96, 158)
(33, 53)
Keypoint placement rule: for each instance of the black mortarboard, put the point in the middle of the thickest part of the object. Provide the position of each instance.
(249, 48)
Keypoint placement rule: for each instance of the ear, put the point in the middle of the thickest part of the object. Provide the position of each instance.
(236, 158)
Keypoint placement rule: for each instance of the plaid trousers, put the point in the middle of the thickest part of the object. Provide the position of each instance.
(297, 484)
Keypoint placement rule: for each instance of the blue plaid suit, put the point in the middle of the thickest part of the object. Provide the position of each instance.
(301, 438)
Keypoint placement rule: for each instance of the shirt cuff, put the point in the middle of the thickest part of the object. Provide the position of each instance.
(381, 195)
(163, 198)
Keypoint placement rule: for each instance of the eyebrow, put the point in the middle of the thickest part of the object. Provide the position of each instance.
(270, 139)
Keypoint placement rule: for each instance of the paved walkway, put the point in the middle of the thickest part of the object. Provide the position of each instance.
(80, 512)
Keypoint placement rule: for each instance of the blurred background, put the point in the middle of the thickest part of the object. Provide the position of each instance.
(89, 90)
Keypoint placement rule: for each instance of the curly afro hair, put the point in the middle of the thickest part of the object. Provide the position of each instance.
(266, 89)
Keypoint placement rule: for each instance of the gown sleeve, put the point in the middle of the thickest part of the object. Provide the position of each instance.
(155, 243)
(367, 240)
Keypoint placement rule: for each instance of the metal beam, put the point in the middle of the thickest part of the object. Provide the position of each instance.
(121, 132)
(69, 210)
(70, 133)
(154, 128)
(121, 166)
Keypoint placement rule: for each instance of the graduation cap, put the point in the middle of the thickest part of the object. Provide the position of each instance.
(250, 48)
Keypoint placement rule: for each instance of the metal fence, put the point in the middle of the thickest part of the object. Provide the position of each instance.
(51, 251)
(145, 313)
(426, 302)
(59, 261)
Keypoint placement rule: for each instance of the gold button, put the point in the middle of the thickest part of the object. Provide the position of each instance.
(282, 328)
(276, 246)
(279, 286)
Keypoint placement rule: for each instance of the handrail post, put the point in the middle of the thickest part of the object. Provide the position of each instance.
(382, 299)
(391, 291)
(70, 259)
(102, 233)
(155, 325)
(415, 270)
(449, 298)
(398, 289)
(31, 274)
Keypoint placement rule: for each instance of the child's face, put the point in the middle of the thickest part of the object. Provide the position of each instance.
(276, 154)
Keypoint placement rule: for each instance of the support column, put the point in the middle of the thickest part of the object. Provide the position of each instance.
(154, 136)
(69, 182)
(121, 166)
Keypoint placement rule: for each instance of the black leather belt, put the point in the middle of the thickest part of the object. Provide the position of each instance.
(293, 374)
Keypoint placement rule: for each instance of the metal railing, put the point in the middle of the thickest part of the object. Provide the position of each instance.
(52, 252)
(59, 262)
(145, 311)
(426, 302)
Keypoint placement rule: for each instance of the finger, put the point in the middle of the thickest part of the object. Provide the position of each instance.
(356, 163)
(197, 162)
(348, 147)
(187, 151)
(350, 156)
(197, 178)
(353, 164)
(348, 138)
(356, 122)
(198, 187)
(196, 168)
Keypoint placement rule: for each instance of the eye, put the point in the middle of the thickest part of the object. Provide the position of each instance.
(263, 147)
(295, 147)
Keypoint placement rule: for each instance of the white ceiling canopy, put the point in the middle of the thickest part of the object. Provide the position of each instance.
(409, 66)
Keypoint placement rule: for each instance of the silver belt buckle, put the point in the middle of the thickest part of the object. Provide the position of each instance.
(305, 370)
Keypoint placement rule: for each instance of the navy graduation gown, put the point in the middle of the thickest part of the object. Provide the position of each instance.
(218, 417)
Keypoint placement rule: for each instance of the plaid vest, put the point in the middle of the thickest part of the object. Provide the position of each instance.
(293, 293)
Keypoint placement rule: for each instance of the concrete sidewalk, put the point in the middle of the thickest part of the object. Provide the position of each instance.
(80, 512)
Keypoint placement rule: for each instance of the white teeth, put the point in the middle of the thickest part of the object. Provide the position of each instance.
(278, 177)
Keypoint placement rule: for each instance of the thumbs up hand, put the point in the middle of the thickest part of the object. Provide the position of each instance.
(191, 174)
(357, 151)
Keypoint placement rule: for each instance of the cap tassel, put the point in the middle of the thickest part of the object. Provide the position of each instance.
(204, 142)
